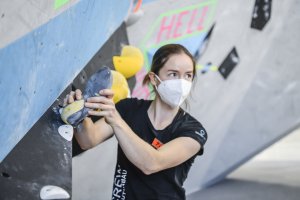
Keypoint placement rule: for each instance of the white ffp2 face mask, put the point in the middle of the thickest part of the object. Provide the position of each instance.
(174, 91)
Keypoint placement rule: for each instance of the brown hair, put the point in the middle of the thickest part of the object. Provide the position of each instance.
(162, 55)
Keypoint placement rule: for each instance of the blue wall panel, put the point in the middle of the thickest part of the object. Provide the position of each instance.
(38, 67)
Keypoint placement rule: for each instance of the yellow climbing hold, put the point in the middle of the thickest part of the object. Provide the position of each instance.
(119, 86)
(130, 61)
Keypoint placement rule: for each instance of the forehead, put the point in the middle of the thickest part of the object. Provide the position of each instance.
(179, 62)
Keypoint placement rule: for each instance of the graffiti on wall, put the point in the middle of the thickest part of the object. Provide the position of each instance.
(59, 3)
(181, 24)
(188, 26)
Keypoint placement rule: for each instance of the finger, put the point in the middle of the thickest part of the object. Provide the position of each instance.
(107, 92)
(78, 94)
(65, 100)
(92, 105)
(98, 106)
(72, 93)
(71, 97)
(98, 113)
(100, 99)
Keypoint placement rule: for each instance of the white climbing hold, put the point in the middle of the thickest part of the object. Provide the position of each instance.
(134, 17)
(66, 131)
(53, 192)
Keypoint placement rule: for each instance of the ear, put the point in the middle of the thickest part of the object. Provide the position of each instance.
(152, 78)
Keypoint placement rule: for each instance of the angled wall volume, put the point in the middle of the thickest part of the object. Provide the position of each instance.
(36, 68)
(43, 157)
(255, 105)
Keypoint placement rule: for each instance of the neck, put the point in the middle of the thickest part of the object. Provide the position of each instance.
(161, 114)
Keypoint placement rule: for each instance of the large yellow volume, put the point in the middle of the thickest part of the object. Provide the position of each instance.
(119, 86)
(130, 61)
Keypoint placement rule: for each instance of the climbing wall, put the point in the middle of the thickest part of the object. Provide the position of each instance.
(38, 69)
(38, 66)
(246, 93)
(247, 85)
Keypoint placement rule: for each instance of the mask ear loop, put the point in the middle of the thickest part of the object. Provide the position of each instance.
(157, 78)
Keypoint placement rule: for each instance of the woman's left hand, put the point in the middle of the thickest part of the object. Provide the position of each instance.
(104, 106)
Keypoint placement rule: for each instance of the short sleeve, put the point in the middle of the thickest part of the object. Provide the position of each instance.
(199, 134)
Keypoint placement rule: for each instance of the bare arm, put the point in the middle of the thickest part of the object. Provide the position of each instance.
(140, 153)
(89, 134)
(151, 160)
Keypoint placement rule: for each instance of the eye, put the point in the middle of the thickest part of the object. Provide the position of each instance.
(189, 76)
(172, 75)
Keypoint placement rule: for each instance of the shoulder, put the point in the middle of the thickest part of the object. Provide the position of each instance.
(191, 127)
(130, 104)
(188, 121)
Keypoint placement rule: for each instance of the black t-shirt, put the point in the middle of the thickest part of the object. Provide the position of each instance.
(131, 183)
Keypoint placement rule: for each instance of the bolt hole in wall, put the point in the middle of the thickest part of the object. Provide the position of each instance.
(5, 175)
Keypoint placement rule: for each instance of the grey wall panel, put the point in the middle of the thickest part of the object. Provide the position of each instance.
(257, 104)
(18, 18)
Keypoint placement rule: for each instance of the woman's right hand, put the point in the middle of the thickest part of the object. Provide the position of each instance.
(72, 96)
(89, 131)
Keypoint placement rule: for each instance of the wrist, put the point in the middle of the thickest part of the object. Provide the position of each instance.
(118, 124)
(78, 126)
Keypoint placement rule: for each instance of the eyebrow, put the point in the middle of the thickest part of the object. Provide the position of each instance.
(172, 70)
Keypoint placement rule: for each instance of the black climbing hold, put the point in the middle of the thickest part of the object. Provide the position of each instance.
(231, 60)
(261, 14)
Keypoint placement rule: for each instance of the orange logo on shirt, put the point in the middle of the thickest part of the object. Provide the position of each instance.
(156, 143)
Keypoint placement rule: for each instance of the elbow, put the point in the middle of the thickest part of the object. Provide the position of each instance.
(150, 169)
(85, 146)
(152, 164)
(84, 143)
(147, 172)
